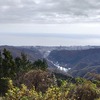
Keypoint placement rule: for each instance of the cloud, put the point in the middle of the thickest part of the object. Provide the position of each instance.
(49, 11)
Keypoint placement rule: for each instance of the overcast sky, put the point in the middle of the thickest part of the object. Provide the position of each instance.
(49, 22)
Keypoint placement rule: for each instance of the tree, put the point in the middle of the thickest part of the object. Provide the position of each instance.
(1, 68)
(8, 64)
(40, 64)
(40, 79)
(22, 63)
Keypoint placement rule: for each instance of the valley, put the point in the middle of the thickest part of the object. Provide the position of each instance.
(73, 60)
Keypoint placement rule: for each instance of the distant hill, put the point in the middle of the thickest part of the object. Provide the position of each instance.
(32, 53)
(80, 61)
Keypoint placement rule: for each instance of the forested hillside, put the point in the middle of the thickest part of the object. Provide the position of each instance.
(80, 61)
(21, 79)
(32, 53)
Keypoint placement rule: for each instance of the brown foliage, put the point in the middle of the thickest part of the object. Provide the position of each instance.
(38, 78)
(86, 91)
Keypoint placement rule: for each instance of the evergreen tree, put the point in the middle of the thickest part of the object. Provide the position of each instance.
(8, 64)
(22, 63)
(1, 68)
(40, 64)
(45, 65)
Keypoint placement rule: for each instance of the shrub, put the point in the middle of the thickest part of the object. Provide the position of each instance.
(86, 91)
(23, 93)
(41, 80)
(67, 91)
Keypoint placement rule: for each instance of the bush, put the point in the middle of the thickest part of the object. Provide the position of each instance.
(41, 80)
(86, 91)
(67, 91)
(23, 93)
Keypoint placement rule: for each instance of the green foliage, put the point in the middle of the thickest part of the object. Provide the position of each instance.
(97, 99)
(1, 69)
(40, 64)
(67, 91)
(80, 80)
(56, 93)
(4, 85)
(87, 90)
(23, 93)
(22, 63)
(7, 66)
(10, 67)
(31, 81)
(97, 83)
(14, 68)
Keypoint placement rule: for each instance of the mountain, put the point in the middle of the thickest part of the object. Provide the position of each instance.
(81, 62)
(32, 53)
(73, 60)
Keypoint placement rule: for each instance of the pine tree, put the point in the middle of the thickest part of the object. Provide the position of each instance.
(40, 64)
(8, 64)
(1, 68)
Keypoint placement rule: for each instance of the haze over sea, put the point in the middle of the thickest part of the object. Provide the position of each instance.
(50, 22)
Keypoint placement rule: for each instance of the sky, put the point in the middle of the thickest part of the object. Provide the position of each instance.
(50, 22)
